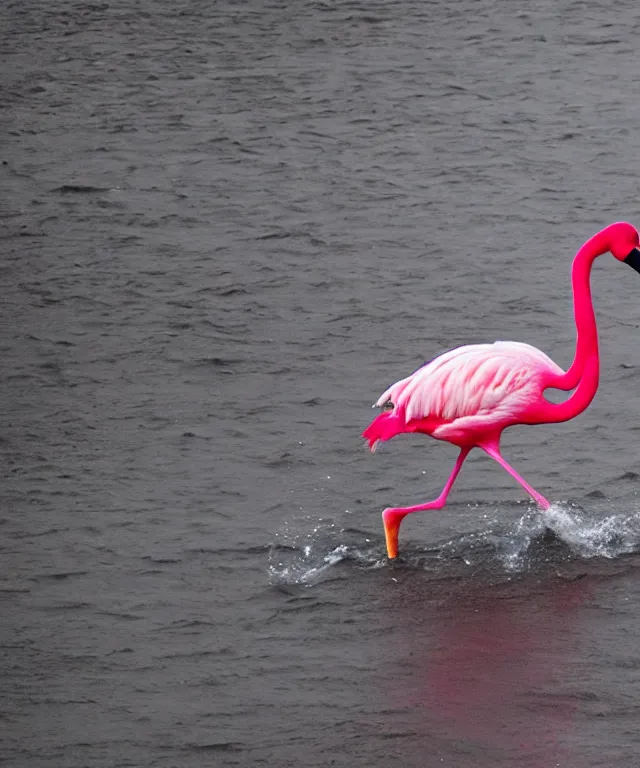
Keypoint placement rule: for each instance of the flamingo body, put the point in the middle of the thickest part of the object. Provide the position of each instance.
(469, 395)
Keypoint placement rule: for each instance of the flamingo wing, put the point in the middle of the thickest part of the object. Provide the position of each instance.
(473, 385)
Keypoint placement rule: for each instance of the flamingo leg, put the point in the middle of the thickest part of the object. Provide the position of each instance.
(393, 516)
(494, 451)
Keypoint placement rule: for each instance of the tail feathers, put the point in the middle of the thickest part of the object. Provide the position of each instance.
(384, 427)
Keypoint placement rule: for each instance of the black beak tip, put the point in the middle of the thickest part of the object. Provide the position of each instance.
(633, 259)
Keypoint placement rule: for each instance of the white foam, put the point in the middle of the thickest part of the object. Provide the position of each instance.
(585, 537)
(608, 537)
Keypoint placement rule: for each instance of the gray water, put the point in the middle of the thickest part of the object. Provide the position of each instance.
(227, 228)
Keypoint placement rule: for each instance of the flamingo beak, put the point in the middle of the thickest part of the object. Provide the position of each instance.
(633, 259)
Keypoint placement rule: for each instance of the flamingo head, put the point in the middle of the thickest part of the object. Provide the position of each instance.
(624, 244)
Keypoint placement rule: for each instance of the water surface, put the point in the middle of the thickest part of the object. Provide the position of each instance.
(227, 229)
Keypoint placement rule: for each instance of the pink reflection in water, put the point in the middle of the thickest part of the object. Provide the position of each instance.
(492, 674)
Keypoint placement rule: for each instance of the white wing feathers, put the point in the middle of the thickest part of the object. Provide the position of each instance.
(472, 380)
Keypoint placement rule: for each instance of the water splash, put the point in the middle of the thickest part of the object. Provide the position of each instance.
(562, 533)
(302, 555)
(306, 551)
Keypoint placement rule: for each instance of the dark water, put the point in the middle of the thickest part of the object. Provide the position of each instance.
(227, 227)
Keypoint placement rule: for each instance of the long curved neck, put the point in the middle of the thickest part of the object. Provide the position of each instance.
(584, 372)
(587, 331)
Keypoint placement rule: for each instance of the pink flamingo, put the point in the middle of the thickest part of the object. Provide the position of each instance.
(469, 395)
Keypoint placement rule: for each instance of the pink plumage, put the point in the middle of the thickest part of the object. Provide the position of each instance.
(464, 392)
(469, 395)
